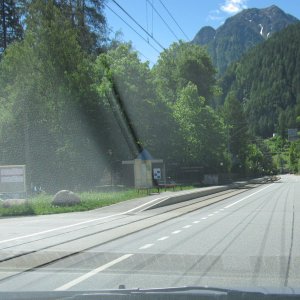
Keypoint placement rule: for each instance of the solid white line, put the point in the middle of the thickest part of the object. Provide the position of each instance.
(196, 222)
(236, 202)
(187, 226)
(146, 246)
(77, 224)
(92, 273)
(176, 231)
(163, 238)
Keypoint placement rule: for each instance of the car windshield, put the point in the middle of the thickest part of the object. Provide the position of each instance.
(149, 144)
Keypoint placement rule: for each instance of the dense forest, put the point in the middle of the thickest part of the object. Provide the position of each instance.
(267, 83)
(74, 103)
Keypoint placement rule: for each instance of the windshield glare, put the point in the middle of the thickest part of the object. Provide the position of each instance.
(149, 144)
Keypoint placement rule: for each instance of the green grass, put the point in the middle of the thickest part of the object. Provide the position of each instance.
(41, 205)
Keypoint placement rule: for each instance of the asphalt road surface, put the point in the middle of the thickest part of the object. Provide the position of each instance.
(249, 239)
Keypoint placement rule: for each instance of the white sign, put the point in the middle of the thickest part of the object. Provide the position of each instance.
(12, 179)
(156, 173)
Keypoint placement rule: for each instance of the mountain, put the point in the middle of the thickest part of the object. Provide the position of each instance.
(241, 32)
(267, 82)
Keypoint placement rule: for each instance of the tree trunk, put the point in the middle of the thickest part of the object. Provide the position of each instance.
(3, 24)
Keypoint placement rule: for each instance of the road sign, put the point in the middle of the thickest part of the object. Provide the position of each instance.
(12, 179)
(157, 173)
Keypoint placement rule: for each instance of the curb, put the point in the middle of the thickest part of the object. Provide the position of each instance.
(185, 196)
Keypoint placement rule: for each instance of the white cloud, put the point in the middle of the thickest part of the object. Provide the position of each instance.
(215, 15)
(233, 6)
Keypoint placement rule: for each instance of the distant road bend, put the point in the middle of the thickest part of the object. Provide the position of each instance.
(236, 238)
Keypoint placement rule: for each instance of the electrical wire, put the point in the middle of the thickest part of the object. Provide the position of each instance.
(132, 29)
(169, 13)
(167, 25)
(140, 26)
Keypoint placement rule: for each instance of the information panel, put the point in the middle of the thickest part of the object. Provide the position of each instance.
(13, 179)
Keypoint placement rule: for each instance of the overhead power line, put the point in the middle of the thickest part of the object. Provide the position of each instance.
(167, 25)
(132, 29)
(173, 19)
(140, 26)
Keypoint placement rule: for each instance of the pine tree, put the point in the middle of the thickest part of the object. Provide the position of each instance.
(10, 27)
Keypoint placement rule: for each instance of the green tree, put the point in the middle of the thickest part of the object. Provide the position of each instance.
(10, 26)
(237, 130)
(180, 64)
(46, 80)
(201, 128)
(294, 157)
(126, 84)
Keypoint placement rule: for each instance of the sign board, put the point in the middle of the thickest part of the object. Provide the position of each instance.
(292, 134)
(156, 173)
(12, 179)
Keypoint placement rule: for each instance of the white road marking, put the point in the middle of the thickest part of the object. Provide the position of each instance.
(236, 202)
(146, 246)
(163, 238)
(77, 224)
(204, 218)
(210, 215)
(91, 273)
(196, 222)
(176, 231)
(216, 212)
(187, 226)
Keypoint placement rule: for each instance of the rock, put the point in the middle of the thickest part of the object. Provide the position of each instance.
(13, 202)
(65, 198)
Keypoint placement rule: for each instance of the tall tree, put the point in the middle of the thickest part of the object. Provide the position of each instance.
(87, 17)
(237, 130)
(201, 127)
(10, 27)
(127, 85)
(51, 108)
(183, 63)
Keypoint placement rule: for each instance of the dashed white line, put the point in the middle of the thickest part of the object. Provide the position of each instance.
(196, 222)
(176, 231)
(146, 246)
(92, 273)
(216, 212)
(210, 215)
(163, 238)
(204, 218)
(187, 226)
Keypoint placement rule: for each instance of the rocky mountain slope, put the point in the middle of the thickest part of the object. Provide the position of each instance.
(239, 33)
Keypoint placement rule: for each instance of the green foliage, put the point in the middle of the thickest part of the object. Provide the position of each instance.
(126, 85)
(10, 23)
(45, 83)
(180, 64)
(237, 130)
(266, 80)
(259, 159)
(294, 157)
(41, 205)
(201, 128)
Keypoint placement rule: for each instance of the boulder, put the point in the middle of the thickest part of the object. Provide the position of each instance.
(13, 202)
(65, 198)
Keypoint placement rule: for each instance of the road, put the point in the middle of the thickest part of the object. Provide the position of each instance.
(251, 238)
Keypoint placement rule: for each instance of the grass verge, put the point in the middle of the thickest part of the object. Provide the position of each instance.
(41, 205)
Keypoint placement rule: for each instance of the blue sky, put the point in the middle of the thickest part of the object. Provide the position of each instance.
(191, 15)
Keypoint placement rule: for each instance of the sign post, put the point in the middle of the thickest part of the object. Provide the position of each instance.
(13, 180)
